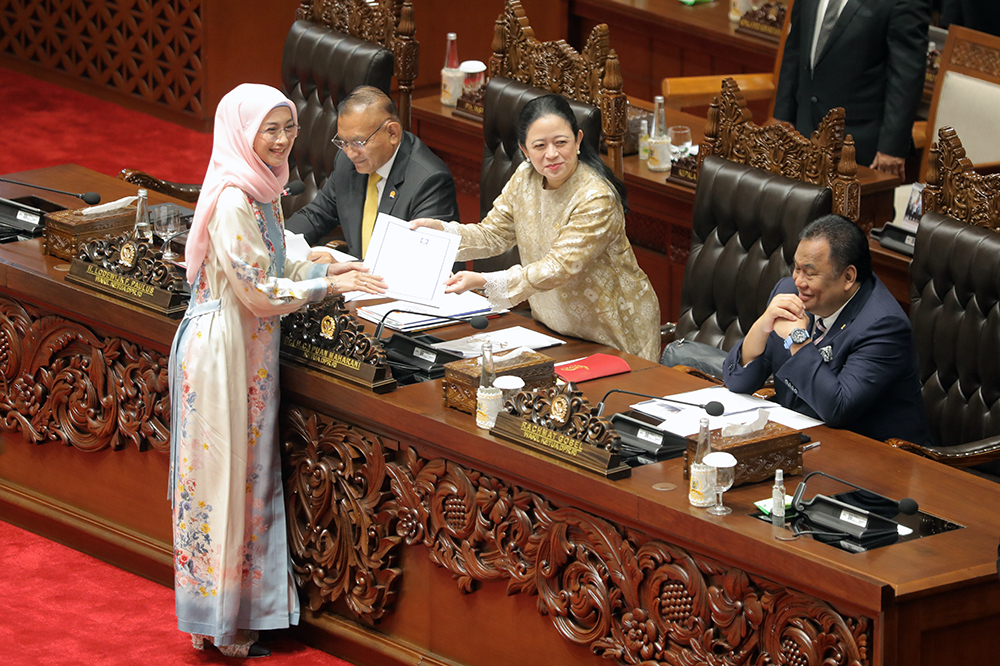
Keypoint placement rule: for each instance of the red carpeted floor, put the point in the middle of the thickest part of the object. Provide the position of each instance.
(48, 125)
(60, 607)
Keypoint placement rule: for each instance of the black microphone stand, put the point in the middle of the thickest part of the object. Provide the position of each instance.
(90, 198)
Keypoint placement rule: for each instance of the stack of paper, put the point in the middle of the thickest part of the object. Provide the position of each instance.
(504, 339)
(459, 306)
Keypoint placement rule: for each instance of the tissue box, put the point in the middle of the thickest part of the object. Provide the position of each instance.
(67, 230)
(758, 455)
(461, 378)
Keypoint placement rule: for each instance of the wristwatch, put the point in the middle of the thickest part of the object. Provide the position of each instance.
(796, 337)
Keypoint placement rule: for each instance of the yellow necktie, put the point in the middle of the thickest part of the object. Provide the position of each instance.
(371, 210)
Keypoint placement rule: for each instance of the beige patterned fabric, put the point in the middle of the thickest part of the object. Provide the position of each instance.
(578, 272)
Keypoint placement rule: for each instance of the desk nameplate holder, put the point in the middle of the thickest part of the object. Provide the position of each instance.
(558, 423)
(131, 271)
(326, 338)
(764, 22)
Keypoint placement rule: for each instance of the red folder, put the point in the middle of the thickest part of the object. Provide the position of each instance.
(594, 366)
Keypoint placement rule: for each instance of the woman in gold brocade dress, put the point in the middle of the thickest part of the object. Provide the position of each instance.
(565, 211)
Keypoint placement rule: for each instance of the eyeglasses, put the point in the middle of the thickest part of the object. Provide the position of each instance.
(358, 145)
(271, 133)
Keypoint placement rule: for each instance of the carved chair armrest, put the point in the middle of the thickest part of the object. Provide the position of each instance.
(695, 372)
(668, 333)
(183, 191)
(963, 455)
(684, 91)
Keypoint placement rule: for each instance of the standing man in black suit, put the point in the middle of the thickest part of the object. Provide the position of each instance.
(380, 169)
(867, 56)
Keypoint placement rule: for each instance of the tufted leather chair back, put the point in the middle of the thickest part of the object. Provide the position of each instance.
(954, 310)
(503, 102)
(745, 230)
(319, 67)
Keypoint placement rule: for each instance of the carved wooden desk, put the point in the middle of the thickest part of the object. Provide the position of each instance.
(466, 549)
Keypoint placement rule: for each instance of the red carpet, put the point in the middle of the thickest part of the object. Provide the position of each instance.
(59, 607)
(49, 125)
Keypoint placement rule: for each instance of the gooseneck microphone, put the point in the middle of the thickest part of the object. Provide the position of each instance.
(713, 408)
(477, 322)
(293, 189)
(907, 505)
(90, 198)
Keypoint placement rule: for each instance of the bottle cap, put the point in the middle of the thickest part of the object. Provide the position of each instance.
(658, 99)
(644, 126)
(452, 35)
(779, 476)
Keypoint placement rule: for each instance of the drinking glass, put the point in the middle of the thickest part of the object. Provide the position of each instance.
(166, 223)
(680, 141)
(725, 474)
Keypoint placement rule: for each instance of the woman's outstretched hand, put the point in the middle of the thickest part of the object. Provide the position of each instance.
(426, 222)
(345, 276)
(463, 281)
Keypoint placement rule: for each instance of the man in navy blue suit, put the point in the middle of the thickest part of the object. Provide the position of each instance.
(836, 340)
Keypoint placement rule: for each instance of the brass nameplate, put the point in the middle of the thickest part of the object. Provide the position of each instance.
(376, 378)
(93, 276)
(567, 449)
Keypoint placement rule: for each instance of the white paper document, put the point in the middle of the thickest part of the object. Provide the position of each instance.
(739, 408)
(507, 338)
(413, 262)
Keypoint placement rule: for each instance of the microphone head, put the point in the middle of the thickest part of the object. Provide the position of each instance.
(91, 198)
(715, 408)
(479, 322)
(295, 188)
(908, 506)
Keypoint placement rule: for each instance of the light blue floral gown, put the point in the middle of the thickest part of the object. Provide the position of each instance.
(232, 568)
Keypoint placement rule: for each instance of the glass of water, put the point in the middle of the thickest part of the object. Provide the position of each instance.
(166, 224)
(725, 474)
(680, 141)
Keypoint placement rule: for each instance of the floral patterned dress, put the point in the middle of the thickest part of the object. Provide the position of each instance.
(232, 568)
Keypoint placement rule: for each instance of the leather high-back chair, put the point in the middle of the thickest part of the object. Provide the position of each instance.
(744, 233)
(319, 67)
(955, 309)
(758, 187)
(501, 153)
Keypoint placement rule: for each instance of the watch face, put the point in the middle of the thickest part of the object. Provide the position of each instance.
(799, 336)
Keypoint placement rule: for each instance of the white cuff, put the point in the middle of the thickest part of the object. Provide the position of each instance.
(496, 290)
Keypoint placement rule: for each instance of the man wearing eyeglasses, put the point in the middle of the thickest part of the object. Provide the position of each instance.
(380, 168)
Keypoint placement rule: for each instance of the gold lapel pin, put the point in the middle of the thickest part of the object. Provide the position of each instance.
(392, 194)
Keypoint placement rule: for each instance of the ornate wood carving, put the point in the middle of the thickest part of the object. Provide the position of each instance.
(149, 50)
(975, 56)
(340, 533)
(61, 382)
(614, 590)
(327, 338)
(388, 23)
(955, 189)
(825, 158)
(592, 76)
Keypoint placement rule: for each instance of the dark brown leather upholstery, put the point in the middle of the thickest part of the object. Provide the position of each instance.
(745, 230)
(503, 102)
(954, 293)
(319, 67)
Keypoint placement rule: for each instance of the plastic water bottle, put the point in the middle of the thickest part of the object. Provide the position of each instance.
(143, 231)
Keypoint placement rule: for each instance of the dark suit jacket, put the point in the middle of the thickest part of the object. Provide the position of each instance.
(869, 384)
(872, 65)
(419, 185)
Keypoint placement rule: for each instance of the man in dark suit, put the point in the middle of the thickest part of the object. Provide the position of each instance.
(380, 169)
(836, 340)
(868, 56)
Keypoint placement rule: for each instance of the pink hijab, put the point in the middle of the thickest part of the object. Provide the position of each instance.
(234, 162)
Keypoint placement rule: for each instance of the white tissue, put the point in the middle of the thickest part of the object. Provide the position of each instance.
(746, 427)
(124, 202)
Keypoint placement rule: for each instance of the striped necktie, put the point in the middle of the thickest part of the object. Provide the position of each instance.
(829, 19)
(820, 330)
(371, 211)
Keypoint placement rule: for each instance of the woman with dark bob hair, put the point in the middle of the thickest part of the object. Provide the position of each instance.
(565, 211)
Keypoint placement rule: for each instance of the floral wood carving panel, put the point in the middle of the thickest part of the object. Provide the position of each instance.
(623, 595)
(61, 382)
(150, 50)
(955, 189)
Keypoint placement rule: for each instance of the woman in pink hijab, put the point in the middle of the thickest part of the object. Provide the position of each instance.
(232, 569)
